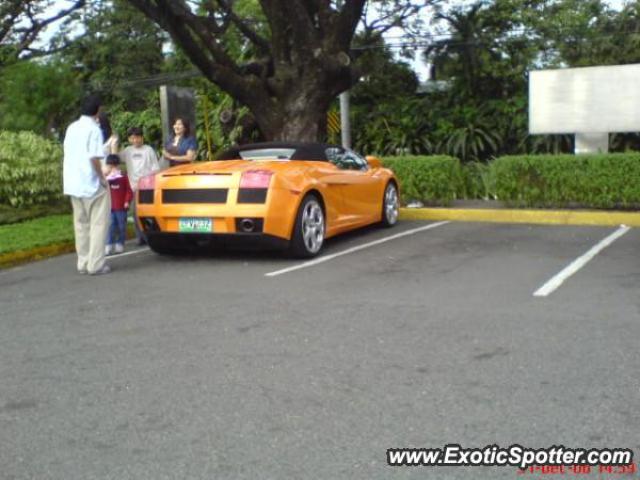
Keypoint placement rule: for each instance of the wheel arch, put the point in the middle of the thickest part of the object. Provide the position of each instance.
(318, 195)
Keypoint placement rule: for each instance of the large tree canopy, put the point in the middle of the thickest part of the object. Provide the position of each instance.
(23, 21)
(298, 52)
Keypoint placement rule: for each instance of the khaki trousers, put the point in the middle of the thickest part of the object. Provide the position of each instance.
(91, 219)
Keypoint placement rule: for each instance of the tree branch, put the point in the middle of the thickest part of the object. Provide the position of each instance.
(245, 29)
(201, 46)
(347, 21)
(22, 24)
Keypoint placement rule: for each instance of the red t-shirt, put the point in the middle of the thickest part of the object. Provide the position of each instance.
(120, 191)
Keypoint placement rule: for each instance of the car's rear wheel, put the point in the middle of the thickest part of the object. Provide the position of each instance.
(390, 205)
(309, 229)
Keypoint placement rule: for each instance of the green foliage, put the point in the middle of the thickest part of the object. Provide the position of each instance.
(485, 53)
(30, 169)
(589, 32)
(40, 97)
(148, 119)
(387, 117)
(435, 180)
(383, 79)
(470, 142)
(596, 181)
(120, 47)
(477, 181)
(588, 181)
(398, 128)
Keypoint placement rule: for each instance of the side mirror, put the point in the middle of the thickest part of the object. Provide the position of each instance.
(374, 162)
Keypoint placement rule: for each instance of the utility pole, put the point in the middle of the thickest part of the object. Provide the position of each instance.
(345, 124)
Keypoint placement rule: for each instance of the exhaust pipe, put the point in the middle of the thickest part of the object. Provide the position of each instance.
(247, 225)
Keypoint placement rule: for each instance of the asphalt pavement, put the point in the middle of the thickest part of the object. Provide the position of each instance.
(206, 367)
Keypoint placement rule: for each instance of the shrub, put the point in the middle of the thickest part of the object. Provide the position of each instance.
(435, 180)
(478, 181)
(591, 181)
(596, 181)
(30, 169)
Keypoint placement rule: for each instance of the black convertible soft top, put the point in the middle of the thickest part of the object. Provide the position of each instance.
(303, 151)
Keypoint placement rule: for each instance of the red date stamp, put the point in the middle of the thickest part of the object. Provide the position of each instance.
(573, 470)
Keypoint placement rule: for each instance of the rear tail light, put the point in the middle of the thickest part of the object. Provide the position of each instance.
(255, 179)
(147, 183)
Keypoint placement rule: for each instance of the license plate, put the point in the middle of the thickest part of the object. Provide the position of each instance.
(195, 225)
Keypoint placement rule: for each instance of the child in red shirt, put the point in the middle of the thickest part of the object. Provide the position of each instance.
(121, 195)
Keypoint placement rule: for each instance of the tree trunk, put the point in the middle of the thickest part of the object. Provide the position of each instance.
(298, 116)
(299, 67)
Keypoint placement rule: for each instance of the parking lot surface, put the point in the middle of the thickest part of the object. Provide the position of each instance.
(243, 365)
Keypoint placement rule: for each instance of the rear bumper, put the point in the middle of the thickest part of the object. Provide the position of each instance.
(190, 241)
(277, 214)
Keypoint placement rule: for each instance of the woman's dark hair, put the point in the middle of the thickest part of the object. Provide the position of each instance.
(105, 126)
(187, 125)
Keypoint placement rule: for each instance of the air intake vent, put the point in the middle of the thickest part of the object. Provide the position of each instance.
(252, 195)
(195, 195)
(145, 196)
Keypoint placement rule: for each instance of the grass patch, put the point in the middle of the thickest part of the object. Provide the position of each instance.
(39, 232)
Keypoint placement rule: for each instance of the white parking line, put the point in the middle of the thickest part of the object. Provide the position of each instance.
(578, 263)
(326, 258)
(131, 252)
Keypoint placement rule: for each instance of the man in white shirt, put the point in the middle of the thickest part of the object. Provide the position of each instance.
(141, 160)
(84, 182)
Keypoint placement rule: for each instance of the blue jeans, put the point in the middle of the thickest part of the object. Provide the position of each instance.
(118, 227)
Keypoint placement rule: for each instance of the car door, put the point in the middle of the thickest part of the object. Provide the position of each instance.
(360, 187)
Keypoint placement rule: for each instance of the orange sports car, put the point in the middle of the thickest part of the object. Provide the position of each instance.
(292, 195)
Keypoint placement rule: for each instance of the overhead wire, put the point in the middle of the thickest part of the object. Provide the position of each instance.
(417, 42)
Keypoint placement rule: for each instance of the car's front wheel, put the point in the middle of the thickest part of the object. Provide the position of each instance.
(309, 229)
(390, 205)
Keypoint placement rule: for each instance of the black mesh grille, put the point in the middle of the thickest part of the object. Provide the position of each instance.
(195, 195)
(149, 224)
(252, 195)
(145, 196)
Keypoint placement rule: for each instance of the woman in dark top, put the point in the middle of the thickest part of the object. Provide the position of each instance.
(182, 147)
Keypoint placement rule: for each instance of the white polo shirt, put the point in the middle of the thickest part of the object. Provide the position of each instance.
(82, 142)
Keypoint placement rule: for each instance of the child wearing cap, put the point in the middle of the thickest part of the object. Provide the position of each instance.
(121, 196)
(141, 160)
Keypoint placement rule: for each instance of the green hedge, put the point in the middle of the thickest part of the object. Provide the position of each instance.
(30, 169)
(433, 180)
(591, 181)
(479, 182)
(595, 181)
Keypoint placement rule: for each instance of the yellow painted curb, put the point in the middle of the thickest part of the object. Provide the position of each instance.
(544, 217)
(15, 258)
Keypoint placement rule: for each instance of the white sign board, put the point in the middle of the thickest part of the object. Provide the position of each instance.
(585, 100)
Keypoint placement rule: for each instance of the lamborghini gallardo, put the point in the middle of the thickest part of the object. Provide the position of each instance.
(288, 195)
